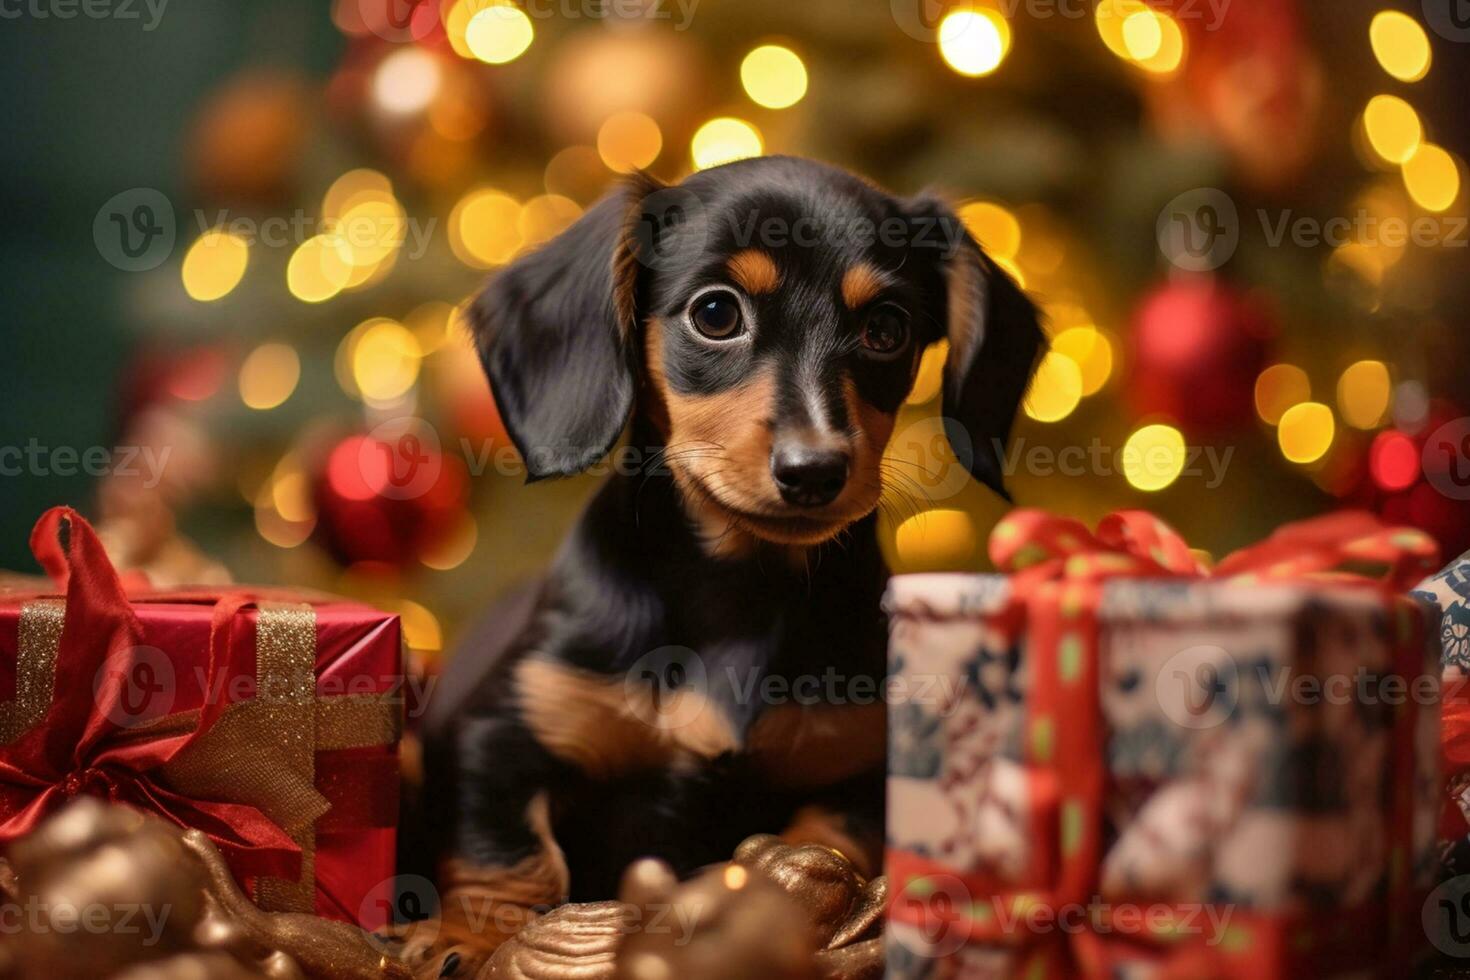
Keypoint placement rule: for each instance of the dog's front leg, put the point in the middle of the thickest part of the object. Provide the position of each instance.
(506, 867)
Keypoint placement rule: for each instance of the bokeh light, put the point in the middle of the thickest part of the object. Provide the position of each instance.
(774, 76)
(629, 141)
(1392, 127)
(407, 80)
(974, 41)
(455, 548)
(1153, 40)
(1432, 177)
(1091, 351)
(499, 33)
(725, 140)
(1055, 390)
(385, 361)
(929, 379)
(1278, 388)
(269, 375)
(1363, 394)
(1153, 457)
(544, 217)
(1306, 431)
(1400, 45)
(214, 265)
(994, 227)
(1393, 461)
(484, 228)
(936, 539)
(319, 269)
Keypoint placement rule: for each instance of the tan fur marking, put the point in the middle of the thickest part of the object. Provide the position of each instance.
(861, 284)
(486, 905)
(754, 271)
(806, 747)
(604, 728)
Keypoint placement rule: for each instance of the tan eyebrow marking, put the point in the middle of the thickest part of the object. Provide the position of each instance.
(861, 284)
(754, 271)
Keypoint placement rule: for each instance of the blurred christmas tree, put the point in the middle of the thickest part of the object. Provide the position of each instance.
(1142, 168)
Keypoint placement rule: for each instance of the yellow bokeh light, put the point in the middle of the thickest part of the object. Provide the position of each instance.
(1400, 45)
(1091, 351)
(385, 361)
(499, 33)
(974, 41)
(1111, 17)
(936, 539)
(455, 548)
(629, 141)
(929, 379)
(724, 140)
(1055, 390)
(421, 629)
(1392, 127)
(284, 512)
(352, 187)
(1363, 394)
(1154, 41)
(484, 228)
(214, 265)
(407, 80)
(269, 375)
(994, 227)
(773, 76)
(1432, 177)
(545, 216)
(370, 231)
(1306, 432)
(1278, 388)
(1153, 457)
(319, 269)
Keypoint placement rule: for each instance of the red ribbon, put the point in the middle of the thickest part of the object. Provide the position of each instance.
(1057, 563)
(78, 748)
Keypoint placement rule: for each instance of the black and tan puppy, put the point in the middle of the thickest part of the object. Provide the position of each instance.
(702, 660)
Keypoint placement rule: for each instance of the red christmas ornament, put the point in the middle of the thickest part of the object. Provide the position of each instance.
(1198, 346)
(389, 498)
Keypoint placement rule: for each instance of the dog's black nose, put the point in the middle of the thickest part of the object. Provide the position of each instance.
(808, 476)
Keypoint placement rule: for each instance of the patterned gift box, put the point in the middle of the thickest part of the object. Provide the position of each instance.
(1450, 589)
(1137, 770)
(268, 718)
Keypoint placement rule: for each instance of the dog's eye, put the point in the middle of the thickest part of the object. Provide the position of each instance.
(716, 315)
(886, 333)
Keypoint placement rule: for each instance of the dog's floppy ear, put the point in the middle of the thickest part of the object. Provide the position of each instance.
(555, 333)
(994, 337)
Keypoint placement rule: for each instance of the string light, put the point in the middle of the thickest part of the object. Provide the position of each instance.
(774, 76)
(544, 217)
(499, 33)
(407, 80)
(1141, 35)
(1392, 127)
(1400, 45)
(269, 375)
(725, 140)
(214, 265)
(1278, 388)
(1394, 461)
(319, 269)
(629, 141)
(1153, 457)
(1055, 390)
(385, 361)
(1306, 431)
(993, 227)
(1363, 394)
(974, 41)
(1091, 351)
(484, 228)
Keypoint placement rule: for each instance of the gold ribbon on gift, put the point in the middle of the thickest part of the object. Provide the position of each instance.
(260, 752)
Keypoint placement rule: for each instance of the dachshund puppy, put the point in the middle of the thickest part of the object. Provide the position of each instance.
(704, 659)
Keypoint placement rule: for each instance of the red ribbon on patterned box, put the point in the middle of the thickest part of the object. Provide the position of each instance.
(1057, 569)
(257, 760)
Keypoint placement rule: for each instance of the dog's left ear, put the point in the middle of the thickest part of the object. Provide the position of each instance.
(994, 338)
(555, 333)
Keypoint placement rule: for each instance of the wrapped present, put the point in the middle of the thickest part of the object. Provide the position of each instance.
(1125, 765)
(267, 718)
(1450, 589)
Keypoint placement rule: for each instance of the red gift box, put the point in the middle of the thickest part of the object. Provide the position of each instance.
(268, 718)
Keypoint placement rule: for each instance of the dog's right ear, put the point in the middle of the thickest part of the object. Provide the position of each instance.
(555, 331)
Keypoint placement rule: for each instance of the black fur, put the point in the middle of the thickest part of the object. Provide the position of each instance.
(561, 334)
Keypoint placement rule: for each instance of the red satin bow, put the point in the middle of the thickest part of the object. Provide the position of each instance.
(1134, 543)
(78, 747)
